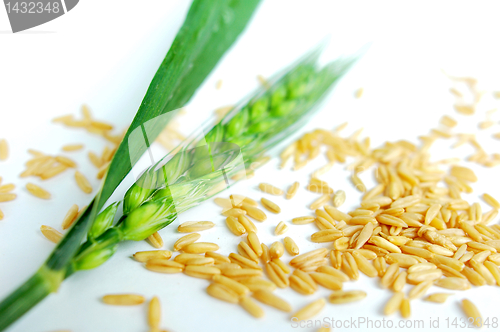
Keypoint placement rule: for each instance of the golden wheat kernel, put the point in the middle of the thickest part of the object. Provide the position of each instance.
(72, 147)
(300, 286)
(438, 297)
(390, 275)
(276, 274)
(243, 261)
(251, 307)
(233, 212)
(254, 212)
(472, 312)
(270, 206)
(234, 226)
(419, 290)
(327, 235)
(51, 234)
(292, 190)
(144, 256)
(290, 246)
(394, 303)
(327, 280)
(201, 271)
(36, 191)
(245, 250)
(83, 183)
(247, 224)
(453, 283)
(255, 284)
(276, 250)
(223, 293)
(270, 189)
(281, 228)
(70, 216)
(155, 240)
(154, 314)
(267, 297)
(310, 310)
(123, 299)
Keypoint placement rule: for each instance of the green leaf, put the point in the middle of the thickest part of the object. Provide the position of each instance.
(210, 28)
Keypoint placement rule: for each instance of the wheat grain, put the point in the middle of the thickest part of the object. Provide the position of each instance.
(233, 212)
(254, 243)
(327, 235)
(83, 183)
(235, 286)
(270, 189)
(218, 258)
(246, 251)
(292, 190)
(35, 190)
(327, 280)
(451, 262)
(494, 270)
(234, 226)
(394, 303)
(123, 299)
(483, 272)
(281, 228)
(453, 283)
(438, 297)
(4, 149)
(364, 265)
(336, 214)
(243, 261)
(425, 275)
(270, 206)
(265, 254)
(155, 240)
(338, 274)
(472, 312)
(255, 284)
(419, 290)
(421, 267)
(405, 308)
(203, 272)
(303, 220)
(267, 297)
(194, 226)
(491, 201)
(448, 121)
(185, 240)
(144, 256)
(70, 216)
(251, 307)
(310, 310)
(254, 212)
(390, 275)
(276, 250)
(51, 234)
(290, 246)
(72, 147)
(380, 264)
(222, 292)
(277, 275)
(154, 313)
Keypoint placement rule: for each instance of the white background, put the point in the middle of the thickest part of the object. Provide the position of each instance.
(104, 53)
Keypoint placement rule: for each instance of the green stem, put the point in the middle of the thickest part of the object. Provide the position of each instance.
(41, 284)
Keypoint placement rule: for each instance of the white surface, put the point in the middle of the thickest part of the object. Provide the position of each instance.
(105, 53)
